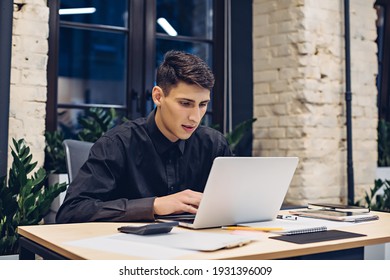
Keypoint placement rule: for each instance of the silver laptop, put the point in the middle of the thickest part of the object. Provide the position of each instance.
(241, 190)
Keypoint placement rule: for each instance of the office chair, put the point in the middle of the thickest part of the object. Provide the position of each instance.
(76, 153)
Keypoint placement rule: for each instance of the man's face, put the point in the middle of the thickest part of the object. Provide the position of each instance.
(181, 111)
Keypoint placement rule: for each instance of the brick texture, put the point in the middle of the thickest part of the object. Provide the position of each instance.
(28, 90)
(299, 89)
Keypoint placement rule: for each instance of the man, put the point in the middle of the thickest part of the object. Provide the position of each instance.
(156, 165)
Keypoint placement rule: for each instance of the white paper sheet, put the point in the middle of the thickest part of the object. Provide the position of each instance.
(143, 250)
(162, 246)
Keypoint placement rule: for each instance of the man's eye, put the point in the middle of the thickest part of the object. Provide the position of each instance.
(202, 105)
(185, 104)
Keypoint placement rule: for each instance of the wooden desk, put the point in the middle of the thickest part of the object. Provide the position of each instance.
(48, 242)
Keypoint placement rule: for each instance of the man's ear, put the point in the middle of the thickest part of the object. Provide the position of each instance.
(157, 95)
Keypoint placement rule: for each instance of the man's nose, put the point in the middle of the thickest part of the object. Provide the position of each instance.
(195, 115)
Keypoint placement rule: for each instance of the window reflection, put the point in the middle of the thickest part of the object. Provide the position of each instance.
(92, 67)
(189, 17)
(106, 12)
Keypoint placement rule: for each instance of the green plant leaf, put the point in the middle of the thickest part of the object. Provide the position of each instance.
(95, 123)
(378, 198)
(237, 134)
(54, 152)
(26, 199)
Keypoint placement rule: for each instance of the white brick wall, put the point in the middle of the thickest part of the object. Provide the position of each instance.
(28, 76)
(299, 86)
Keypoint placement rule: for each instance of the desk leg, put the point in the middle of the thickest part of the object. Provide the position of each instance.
(25, 253)
(28, 250)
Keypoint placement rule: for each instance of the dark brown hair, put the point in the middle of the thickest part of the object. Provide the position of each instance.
(180, 66)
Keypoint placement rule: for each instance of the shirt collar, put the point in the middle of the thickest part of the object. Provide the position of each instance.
(161, 143)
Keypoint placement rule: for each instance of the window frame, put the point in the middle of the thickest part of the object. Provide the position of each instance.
(140, 60)
(383, 83)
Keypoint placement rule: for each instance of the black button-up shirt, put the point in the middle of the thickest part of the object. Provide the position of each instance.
(132, 164)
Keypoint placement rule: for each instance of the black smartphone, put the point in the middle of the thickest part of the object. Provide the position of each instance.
(154, 228)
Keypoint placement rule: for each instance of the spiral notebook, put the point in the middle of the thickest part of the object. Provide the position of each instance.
(289, 227)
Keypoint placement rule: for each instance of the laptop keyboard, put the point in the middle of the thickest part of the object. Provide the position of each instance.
(186, 218)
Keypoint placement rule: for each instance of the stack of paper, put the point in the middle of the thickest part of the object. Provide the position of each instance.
(338, 207)
(336, 215)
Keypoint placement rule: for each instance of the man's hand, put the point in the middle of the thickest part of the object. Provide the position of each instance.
(184, 201)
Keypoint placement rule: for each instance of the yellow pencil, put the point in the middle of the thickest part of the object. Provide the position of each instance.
(252, 228)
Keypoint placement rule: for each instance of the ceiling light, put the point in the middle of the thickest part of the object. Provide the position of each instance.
(77, 11)
(167, 27)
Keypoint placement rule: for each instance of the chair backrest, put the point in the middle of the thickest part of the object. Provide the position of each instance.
(76, 154)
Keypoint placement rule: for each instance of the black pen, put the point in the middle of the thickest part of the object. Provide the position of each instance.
(287, 217)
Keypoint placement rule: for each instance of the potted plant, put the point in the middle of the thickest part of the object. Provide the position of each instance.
(96, 122)
(54, 152)
(378, 199)
(236, 136)
(24, 199)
